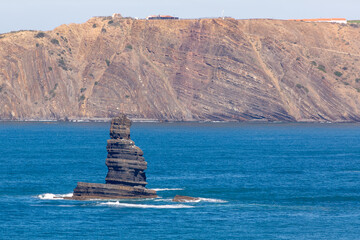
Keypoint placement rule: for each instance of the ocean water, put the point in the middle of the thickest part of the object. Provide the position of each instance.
(255, 181)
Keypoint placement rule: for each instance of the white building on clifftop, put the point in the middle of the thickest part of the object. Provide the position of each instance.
(116, 15)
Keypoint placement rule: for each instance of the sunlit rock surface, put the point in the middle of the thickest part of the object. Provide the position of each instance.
(183, 70)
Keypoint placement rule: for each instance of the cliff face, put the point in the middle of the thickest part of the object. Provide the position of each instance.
(209, 69)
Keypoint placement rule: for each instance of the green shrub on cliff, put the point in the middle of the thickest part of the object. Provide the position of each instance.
(54, 41)
(322, 68)
(61, 63)
(52, 92)
(82, 98)
(337, 73)
(302, 87)
(40, 35)
(353, 21)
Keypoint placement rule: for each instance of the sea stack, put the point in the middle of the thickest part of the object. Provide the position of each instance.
(126, 177)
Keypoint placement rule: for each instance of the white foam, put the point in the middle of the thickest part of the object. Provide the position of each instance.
(51, 196)
(167, 189)
(212, 200)
(131, 205)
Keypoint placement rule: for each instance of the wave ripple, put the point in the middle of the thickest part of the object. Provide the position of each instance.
(167, 189)
(131, 205)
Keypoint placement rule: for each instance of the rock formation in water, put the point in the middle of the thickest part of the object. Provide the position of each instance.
(179, 198)
(183, 70)
(126, 177)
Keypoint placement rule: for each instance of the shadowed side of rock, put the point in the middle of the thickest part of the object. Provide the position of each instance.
(126, 165)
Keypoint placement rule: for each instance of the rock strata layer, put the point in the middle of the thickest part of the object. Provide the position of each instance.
(126, 165)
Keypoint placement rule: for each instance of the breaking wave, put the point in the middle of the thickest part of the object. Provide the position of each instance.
(167, 189)
(131, 205)
(210, 200)
(51, 196)
(163, 200)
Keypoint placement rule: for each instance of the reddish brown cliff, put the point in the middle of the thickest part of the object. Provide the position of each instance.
(209, 69)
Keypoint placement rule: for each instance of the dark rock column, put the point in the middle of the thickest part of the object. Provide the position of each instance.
(125, 161)
(126, 177)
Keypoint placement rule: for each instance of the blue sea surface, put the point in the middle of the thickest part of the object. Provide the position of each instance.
(255, 181)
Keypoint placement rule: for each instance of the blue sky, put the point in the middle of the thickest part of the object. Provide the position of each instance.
(47, 14)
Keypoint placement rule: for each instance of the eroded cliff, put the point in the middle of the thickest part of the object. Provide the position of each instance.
(183, 70)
